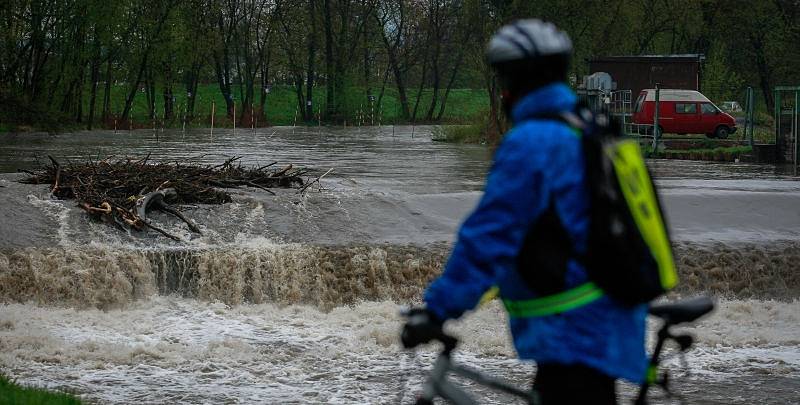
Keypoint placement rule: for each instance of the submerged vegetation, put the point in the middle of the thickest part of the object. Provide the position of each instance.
(14, 394)
(480, 129)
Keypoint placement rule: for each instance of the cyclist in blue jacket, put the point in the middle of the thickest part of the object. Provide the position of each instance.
(536, 196)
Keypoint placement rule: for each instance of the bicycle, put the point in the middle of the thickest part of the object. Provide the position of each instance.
(437, 383)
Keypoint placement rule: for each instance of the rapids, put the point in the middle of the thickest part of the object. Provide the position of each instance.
(294, 298)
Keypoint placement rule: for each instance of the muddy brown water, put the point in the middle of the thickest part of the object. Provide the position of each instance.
(293, 298)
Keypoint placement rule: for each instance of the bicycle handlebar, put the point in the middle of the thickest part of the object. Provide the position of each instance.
(434, 332)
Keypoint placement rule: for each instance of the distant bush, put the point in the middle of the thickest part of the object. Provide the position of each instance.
(17, 112)
(478, 130)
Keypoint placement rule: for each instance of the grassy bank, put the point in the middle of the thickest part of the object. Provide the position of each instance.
(13, 394)
(717, 154)
(281, 109)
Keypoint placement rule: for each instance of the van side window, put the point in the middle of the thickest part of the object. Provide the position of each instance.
(709, 109)
(686, 108)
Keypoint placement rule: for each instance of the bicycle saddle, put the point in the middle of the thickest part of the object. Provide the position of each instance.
(683, 311)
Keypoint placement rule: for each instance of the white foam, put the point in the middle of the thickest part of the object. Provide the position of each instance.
(57, 211)
(180, 350)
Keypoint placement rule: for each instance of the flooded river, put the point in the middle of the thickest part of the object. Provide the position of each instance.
(293, 298)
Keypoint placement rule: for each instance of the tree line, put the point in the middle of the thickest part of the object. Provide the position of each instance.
(60, 58)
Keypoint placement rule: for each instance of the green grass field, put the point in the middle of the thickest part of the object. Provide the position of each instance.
(13, 394)
(282, 106)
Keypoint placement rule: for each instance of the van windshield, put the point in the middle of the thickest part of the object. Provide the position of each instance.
(709, 109)
(639, 103)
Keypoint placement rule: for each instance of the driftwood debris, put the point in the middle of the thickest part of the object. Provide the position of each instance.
(122, 192)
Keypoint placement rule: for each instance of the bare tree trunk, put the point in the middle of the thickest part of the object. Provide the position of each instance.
(169, 105)
(93, 98)
(435, 96)
(392, 54)
(419, 90)
(447, 91)
(150, 91)
(299, 92)
(107, 93)
(456, 68)
(79, 96)
(312, 52)
(191, 88)
(146, 54)
(132, 93)
(264, 86)
(329, 68)
(223, 79)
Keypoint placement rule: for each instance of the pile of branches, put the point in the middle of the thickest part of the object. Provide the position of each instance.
(121, 192)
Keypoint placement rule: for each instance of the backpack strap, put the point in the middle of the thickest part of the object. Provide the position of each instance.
(552, 303)
(581, 118)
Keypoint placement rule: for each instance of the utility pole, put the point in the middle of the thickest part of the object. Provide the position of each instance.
(656, 129)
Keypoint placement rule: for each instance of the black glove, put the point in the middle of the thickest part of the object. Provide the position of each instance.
(422, 327)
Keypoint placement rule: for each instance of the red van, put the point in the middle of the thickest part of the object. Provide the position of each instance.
(683, 112)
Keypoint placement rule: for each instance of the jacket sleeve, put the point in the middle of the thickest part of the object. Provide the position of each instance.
(492, 236)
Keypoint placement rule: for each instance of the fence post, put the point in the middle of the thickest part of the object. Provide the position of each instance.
(213, 110)
(748, 120)
(752, 113)
(183, 126)
(776, 96)
(796, 130)
(656, 130)
(746, 113)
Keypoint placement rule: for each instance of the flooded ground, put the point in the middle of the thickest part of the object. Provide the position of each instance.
(293, 298)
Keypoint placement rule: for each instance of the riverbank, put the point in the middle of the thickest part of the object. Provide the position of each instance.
(281, 108)
(11, 393)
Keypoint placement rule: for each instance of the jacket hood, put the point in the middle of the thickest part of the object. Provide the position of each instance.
(552, 98)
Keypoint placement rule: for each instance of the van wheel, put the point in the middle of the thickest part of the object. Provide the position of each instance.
(722, 132)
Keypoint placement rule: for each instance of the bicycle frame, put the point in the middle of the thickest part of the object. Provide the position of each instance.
(438, 385)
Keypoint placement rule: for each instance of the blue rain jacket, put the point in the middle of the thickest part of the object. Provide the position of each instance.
(536, 160)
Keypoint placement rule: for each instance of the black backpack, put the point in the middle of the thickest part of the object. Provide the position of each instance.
(629, 255)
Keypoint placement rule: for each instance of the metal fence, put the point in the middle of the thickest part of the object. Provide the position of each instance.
(787, 122)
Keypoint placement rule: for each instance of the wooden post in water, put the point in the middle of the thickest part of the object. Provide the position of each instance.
(183, 127)
(234, 118)
(115, 126)
(252, 120)
(213, 110)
